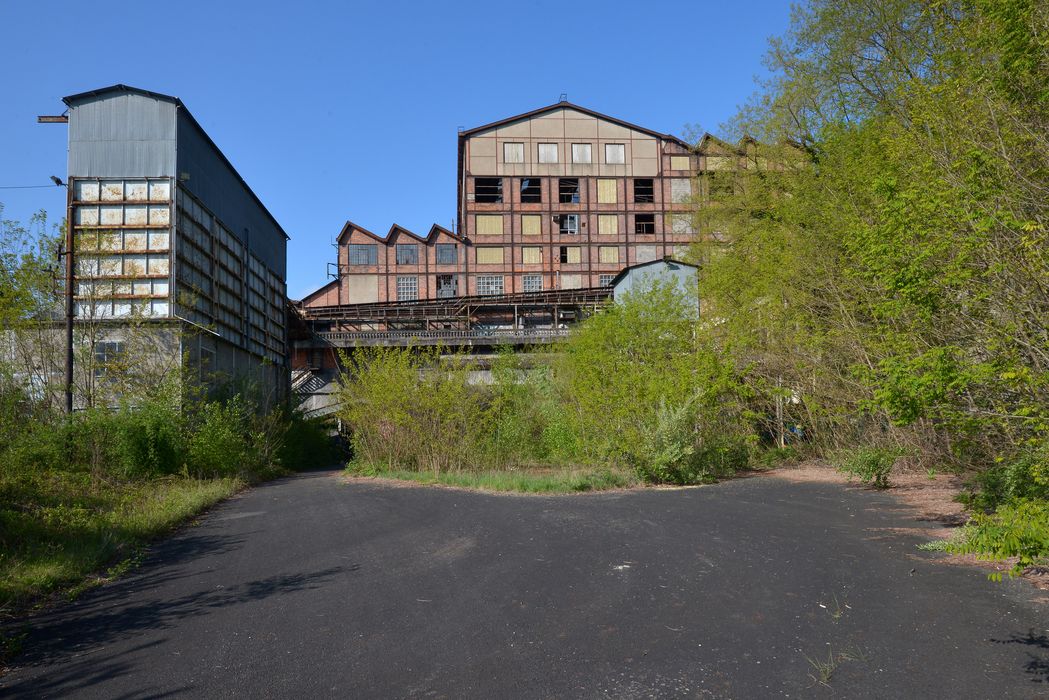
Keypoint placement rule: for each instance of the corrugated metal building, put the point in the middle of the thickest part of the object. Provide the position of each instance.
(166, 231)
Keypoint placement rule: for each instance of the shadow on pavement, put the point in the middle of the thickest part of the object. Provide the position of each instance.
(1038, 654)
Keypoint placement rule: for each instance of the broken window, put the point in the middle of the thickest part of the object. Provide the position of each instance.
(407, 288)
(568, 190)
(548, 153)
(531, 191)
(568, 224)
(513, 152)
(644, 224)
(447, 286)
(488, 190)
(447, 254)
(363, 254)
(581, 153)
(644, 190)
(569, 254)
(615, 153)
(407, 254)
(489, 284)
(532, 283)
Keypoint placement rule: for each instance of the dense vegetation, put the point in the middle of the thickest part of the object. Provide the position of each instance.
(82, 493)
(887, 259)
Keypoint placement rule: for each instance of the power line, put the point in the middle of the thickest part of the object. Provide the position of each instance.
(24, 187)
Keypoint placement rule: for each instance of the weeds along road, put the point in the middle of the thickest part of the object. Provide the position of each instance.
(316, 587)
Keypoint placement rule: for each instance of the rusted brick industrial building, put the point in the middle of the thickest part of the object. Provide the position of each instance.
(559, 198)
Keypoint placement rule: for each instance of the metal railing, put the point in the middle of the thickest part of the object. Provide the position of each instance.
(473, 334)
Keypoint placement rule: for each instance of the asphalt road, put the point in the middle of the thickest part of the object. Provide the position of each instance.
(315, 587)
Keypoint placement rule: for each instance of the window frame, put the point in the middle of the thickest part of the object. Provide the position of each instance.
(575, 198)
(487, 280)
(445, 247)
(622, 152)
(520, 149)
(539, 153)
(406, 248)
(567, 230)
(589, 147)
(372, 259)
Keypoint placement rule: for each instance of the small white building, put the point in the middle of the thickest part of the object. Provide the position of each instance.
(683, 275)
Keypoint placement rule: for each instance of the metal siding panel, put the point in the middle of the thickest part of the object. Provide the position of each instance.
(122, 135)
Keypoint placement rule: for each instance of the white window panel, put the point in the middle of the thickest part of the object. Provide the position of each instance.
(615, 153)
(87, 216)
(582, 153)
(134, 240)
(142, 288)
(571, 281)
(160, 287)
(136, 191)
(680, 189)
(86, 191)
(159, 216)
(135, 264)
(158, 240)
(112, 191)
(548, 153)
(109, 265)
(111, 216)
(135, 216)
(159, 191)
(158, 265)
(513, 152)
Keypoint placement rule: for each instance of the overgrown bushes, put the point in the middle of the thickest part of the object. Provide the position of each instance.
(632, 391)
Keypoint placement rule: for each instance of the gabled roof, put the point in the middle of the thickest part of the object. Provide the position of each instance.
(396, 230)
(120, 87)
(584, 110)
(670, 262)
(349, 225)
(319, 290)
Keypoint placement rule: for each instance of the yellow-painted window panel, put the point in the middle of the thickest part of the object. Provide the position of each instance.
(607, 224)
(531, 224)
(572, 254)
(489, 224)
(679, 163)
(606, 191)
(531, 256)
(608, 254)
(489, 256)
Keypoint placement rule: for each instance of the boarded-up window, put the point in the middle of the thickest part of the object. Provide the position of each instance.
(607, 224)
(489, 255)
(532, 255)
(679, 163)
(548, 153)
(680, 189)
(362, 289)
(615, 153)
(571, 281)
(581, 153)
(570, 254)
(681, 223)
(718, 162)
(531, 224)
(606, 191)
(608, 254)
(489, 224)
(645, 253)
(513, 152)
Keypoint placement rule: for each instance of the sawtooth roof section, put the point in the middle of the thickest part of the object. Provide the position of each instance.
(584, 110)
(69, 100)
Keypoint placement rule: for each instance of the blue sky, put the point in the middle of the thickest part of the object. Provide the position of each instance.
(349, 110)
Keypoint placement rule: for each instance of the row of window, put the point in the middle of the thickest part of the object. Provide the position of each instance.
(489, 190)
(582, 154)
(406, 254)
(568, 224)
(447, 285)
(530, 255)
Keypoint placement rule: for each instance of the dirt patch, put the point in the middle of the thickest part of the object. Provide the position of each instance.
(933, 501)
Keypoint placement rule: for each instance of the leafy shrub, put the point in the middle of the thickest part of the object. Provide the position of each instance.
(1018, 529)
(871, 465)
(663, 454)
(220, 443)
(148, 440)
(1026, 477)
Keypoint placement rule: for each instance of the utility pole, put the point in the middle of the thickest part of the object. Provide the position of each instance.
(69, 300)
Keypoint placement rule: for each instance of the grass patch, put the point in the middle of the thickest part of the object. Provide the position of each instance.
(58, 528)
(517, 481)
